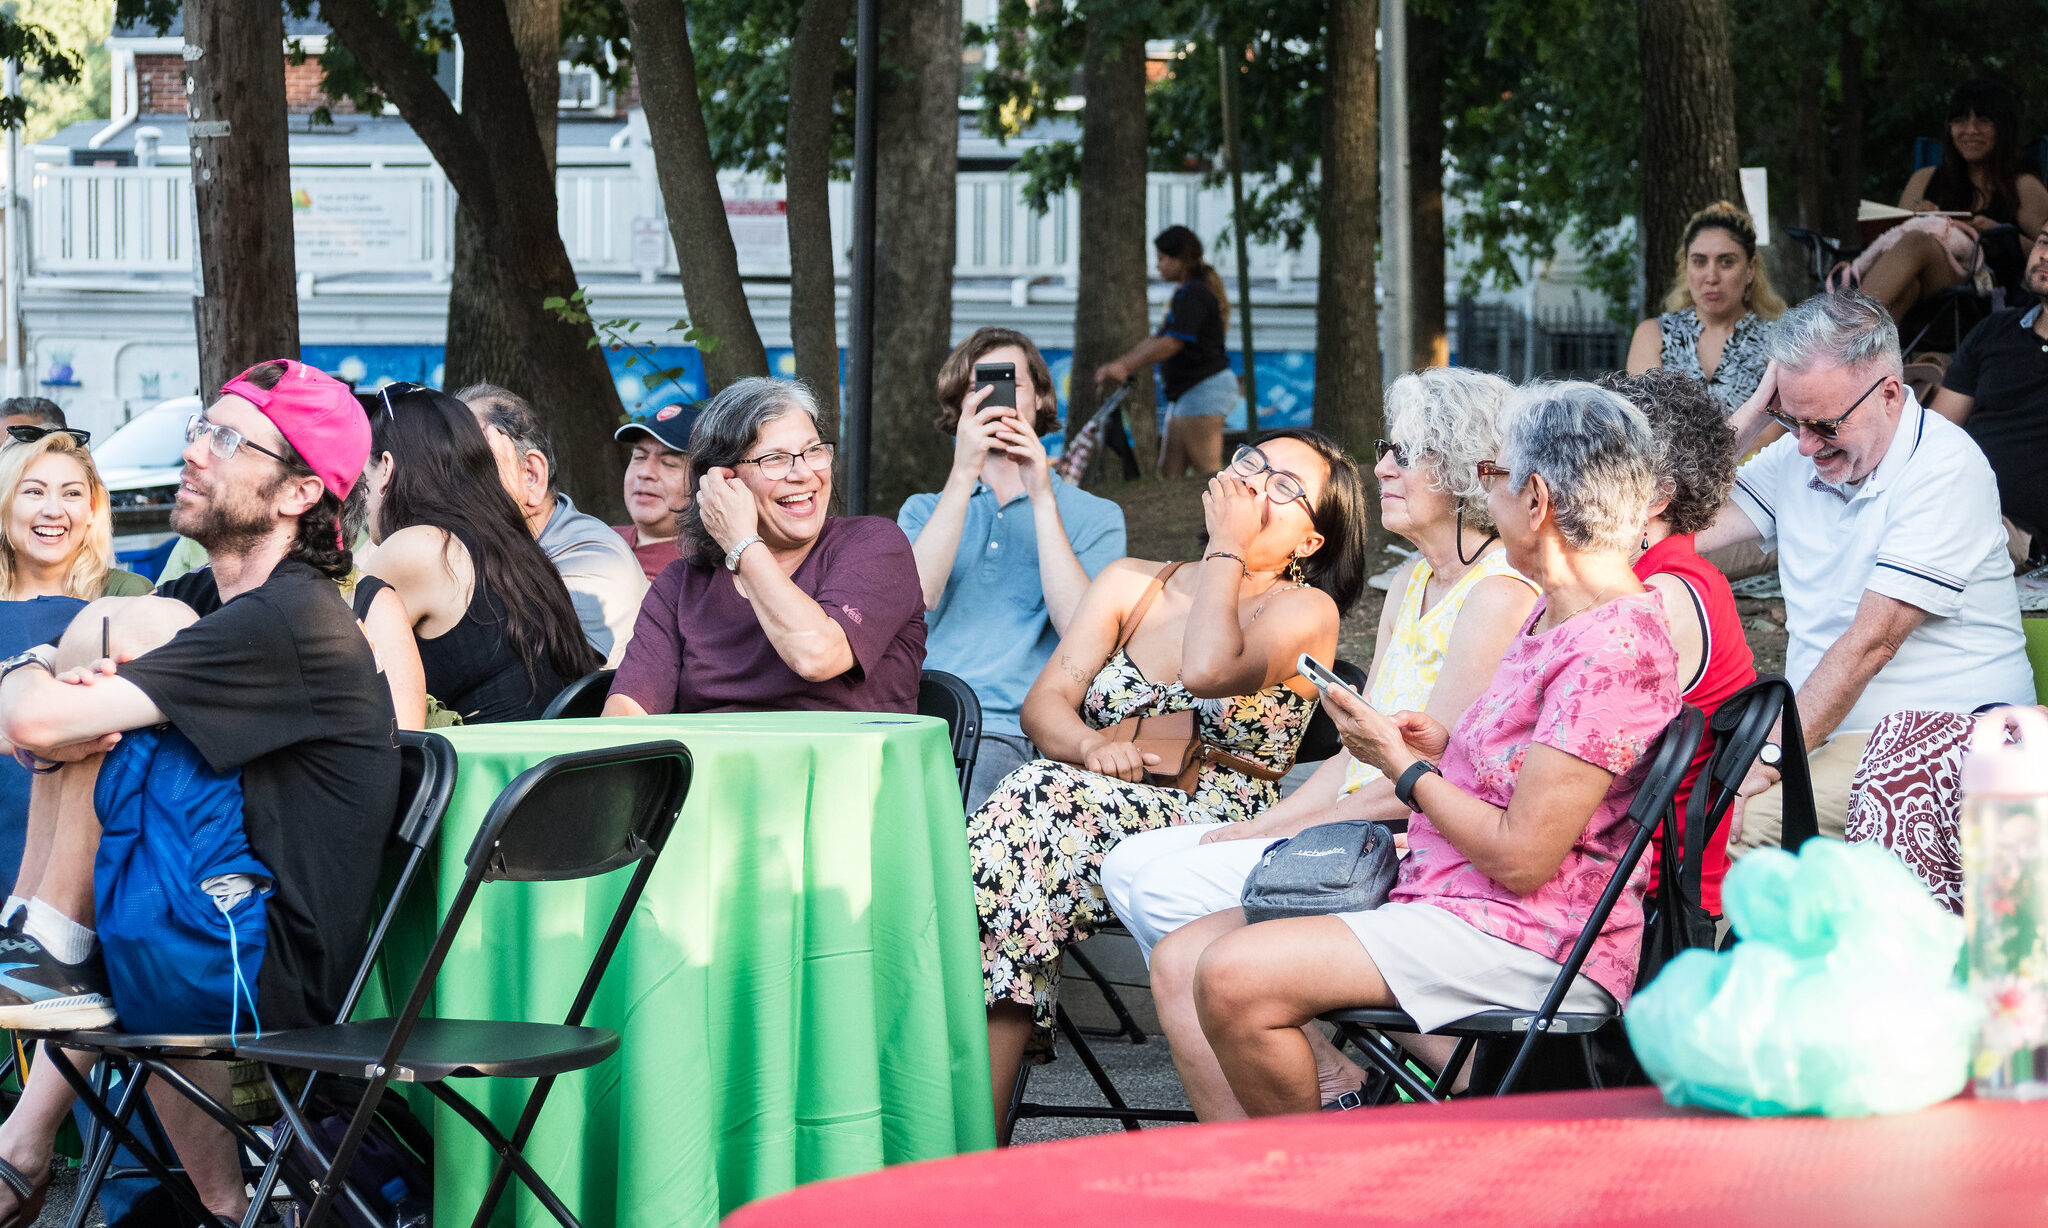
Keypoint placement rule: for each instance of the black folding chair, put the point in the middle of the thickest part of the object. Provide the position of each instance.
(949, 698)
(1320, 741)
(427, 779)
(1368, 1027)
(583, 697)
(577, 815)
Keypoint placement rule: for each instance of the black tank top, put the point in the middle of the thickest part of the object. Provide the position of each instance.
(474, 670)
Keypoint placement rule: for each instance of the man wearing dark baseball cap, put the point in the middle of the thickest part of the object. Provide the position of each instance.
(225, 749)
(657, 484)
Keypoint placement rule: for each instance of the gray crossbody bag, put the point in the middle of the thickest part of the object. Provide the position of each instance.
(1347, 866)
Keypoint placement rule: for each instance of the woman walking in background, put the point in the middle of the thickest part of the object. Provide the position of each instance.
(1195, 380)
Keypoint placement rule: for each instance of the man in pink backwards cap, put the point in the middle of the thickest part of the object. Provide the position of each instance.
(273, 707)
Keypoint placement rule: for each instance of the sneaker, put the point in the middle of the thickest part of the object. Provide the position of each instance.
(41, 993)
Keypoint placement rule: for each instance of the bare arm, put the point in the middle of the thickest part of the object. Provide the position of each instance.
(2033, 212)
(1220, 656)
(1953, 405)
(1730, 526)
(41, 714)
(1881, 625)
(937, 544)
(1646, 347)
(389, 630)
(1914, 194)
(420, 564)
(1051, 714)
(623, 705)
(1141, 355)
(806, 639)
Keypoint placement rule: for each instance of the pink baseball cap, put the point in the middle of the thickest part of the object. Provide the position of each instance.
(318, 416)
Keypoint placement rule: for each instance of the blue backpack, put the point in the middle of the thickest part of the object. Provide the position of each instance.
(181, 932)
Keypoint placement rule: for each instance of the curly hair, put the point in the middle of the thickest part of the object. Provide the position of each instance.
(1695, 444)
(1762, 297)
(1452, 416)
(956, 378)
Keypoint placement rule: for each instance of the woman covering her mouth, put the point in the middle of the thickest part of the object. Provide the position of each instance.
(56, 554)
(779, 605)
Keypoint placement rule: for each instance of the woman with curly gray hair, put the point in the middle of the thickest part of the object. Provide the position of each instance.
(1695, 470)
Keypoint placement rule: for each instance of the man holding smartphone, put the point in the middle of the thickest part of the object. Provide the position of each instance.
(1001, 579)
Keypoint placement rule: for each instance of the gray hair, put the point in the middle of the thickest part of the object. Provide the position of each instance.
(1451, 415)
(1843, 329)
(727, 427)
(514, 418)
(1595, 452)
(43, 410)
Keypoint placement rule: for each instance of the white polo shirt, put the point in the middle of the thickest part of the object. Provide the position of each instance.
(1924, 529)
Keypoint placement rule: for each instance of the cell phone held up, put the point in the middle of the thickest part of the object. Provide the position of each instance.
(1002, 376)
(1323, 678)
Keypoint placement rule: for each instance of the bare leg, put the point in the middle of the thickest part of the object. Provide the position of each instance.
(1173, 453)
(1173, 995)
(206, 1150)
(1205, 443)
(1009, 1031)
(29, 1134)
(1914, 269)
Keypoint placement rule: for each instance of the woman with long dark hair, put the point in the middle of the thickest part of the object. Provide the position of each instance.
(1195, 380)
(1979, 176)
(497, 634)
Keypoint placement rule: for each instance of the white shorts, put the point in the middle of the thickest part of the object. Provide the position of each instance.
(1159, 880)
(1442, 969)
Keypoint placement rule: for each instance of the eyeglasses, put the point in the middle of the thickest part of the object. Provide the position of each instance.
(225, 441)
(776, 466)
(29, 434)
(1404, 457)
(1487, 469)
(1281, 486)
(1824, 428)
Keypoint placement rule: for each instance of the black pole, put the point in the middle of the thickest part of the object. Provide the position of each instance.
(860, 358)
(1235, 156)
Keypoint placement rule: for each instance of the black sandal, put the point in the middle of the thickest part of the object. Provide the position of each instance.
(30, 1195)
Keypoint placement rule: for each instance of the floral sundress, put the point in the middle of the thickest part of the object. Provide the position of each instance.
(1037, 844)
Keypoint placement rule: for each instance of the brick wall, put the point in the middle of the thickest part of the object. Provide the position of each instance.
(162, 82)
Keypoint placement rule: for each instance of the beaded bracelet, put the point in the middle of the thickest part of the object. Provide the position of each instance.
(1225, 554)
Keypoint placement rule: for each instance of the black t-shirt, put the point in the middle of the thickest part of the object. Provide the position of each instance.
(281, 683)
(2003, 363)
(1196, 319)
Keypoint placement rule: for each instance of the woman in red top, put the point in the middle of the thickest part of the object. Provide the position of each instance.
(1695, 470)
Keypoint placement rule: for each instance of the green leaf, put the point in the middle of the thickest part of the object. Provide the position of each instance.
(554, 302)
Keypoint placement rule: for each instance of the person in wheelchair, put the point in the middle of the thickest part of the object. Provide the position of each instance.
(1980, 178)
(1518, 812)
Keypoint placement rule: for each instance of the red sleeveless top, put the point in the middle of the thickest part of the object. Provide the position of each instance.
(1726, 666)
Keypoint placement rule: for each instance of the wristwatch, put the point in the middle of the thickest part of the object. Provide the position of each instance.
(1404, 788)
(732, 556)
(33, 656)
(1770, 754)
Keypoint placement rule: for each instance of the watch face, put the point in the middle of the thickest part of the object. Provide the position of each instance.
(1771, 754)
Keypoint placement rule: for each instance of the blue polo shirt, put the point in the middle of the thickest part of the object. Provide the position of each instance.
(991, 627)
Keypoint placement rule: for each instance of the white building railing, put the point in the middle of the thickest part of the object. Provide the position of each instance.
(399, 221)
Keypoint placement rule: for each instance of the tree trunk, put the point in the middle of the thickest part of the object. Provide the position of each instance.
(247, 306)
(1347, 393)
(1849, 137)
(1110, 316)
(712, 287)
(813, 286)
(482, 345)
(917, 106)
(1688, 150)
(1426, 69)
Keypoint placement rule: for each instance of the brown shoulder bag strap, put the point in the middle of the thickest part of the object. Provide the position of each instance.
(1144, 606)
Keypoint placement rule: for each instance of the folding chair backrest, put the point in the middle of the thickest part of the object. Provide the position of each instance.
(949, 698)
(1320, 741)
(426, 781)
(582, 814)
(583, 697)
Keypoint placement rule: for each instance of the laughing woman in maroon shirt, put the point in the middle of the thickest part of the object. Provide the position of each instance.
(779, 606)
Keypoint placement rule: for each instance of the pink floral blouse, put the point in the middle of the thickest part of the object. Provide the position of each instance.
(1600, 688)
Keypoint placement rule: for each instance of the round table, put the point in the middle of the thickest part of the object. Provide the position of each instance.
(798, 993)
(1571, 1159)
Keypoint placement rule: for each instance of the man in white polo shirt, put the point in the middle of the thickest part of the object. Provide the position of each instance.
(1898, 589)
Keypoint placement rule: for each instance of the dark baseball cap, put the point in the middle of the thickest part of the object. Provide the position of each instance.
(669, 427)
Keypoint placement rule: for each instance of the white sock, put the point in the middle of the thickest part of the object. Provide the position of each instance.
(59, 935)
(14, 906)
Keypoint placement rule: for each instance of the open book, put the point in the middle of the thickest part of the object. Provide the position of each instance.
(1872, 211)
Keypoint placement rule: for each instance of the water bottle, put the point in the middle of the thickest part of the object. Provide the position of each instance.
(408, 1210)
(2005, 900)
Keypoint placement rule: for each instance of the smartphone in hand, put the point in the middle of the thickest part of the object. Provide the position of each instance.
(1003, 375)
(1324, 679)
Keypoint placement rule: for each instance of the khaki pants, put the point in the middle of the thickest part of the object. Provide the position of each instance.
(1833, 768)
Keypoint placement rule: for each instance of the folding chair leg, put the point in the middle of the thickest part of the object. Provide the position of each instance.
(1126, 1026)
(336, 1176)
(1592, 1066)
(1094, 1067)
(1448, 1079)
(300, 1131)
(1392, 1061)
(174, 1184)
(1016, 1103)
(520, 1134)
(99, 1150)
(506, 1154)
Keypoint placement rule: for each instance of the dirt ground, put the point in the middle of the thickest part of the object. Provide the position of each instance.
(1163, 520)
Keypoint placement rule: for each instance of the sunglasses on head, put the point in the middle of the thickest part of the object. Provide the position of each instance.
(29, 434)
(1824, 428)
(396, 388)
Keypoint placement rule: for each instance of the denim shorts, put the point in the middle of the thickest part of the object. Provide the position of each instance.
(1212, 398)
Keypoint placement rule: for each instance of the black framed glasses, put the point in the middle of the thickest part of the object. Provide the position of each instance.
(29, 434)
(225, 441)
(1404, 457)
(1824, 428)
(776, 466)
(1281, 486)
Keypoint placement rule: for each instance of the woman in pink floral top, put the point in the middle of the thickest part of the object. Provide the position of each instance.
(1520, 812)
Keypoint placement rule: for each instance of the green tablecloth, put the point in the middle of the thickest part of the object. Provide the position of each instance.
(799, 992)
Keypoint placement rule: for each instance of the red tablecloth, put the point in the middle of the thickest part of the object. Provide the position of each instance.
(1575, 1159)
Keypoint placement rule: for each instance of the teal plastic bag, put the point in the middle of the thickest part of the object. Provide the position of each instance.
(1842, 998)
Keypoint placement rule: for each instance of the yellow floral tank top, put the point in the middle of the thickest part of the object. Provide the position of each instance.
(1416, 646)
